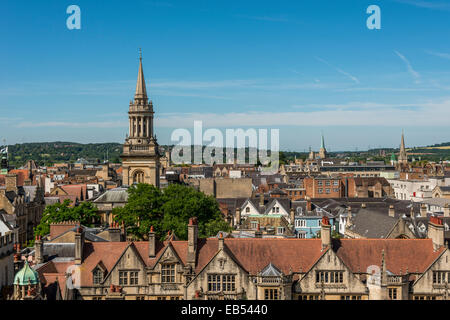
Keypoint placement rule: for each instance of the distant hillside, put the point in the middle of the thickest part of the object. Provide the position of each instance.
(48, 153)
(445, 144)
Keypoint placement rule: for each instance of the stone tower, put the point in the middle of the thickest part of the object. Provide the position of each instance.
(322, 151)
(140, 157)
(402, 157)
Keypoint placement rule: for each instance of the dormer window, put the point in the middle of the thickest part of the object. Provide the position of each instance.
(98, 275)
(247, 210)
(168, 273)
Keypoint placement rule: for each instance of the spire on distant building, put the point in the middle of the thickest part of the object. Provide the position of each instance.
(141, 91)
(322, 144)
(403, 157)
(323, 150)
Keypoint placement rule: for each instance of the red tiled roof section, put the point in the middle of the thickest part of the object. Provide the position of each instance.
(106, 252)
(73, 199)
(109, 253)
(54, 271)
(286, 254)
(77, 190)
(399, 254)
(22, 175)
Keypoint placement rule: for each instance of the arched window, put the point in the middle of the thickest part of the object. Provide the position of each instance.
(138, 177)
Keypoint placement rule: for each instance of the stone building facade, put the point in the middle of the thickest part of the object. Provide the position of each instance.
(22, 206)
(257, 268)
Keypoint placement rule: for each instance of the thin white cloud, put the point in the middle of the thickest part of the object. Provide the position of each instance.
(360, 114)
(348, 75)
(69, 124)
(411, 71)
(439, 54)
(438, 5)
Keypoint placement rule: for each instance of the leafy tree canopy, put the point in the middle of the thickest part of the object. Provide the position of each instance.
(86, 213)
(169, 209)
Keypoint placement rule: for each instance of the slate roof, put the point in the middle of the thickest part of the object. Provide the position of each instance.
(372, 224)
(445, 188)
(113, 195)
(31, 192)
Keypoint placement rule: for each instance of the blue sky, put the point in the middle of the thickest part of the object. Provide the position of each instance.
(300, 66)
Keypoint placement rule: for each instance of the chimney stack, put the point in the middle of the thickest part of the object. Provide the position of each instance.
(446, 210)
(38, 250)
(114, 232)
(258, 232)
(348, 222)
(192, 241)
(11, 181)
(221, 241)
(237, 218)
(436, 232)
(151, 243)
(423, 210)
(391, 211)
(308, 204)
(79, 244)
(261, 199)
(325, 232)
(292, 215)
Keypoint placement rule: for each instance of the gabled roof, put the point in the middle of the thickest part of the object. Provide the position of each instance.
(289, 254)
(371, 224)
(283, 202)
(252, 202)
(400, 254)
(270, 271)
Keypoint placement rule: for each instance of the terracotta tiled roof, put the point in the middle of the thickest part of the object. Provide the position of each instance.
(22, 175)
(109, 253)
(414, 254)
(73, 199)
(78, 190)
(255, 254)
(106, 252)
(52, 272)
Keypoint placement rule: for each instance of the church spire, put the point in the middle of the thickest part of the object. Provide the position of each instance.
(322, 143)
(402, 158)
(323, 150)
(141, 91)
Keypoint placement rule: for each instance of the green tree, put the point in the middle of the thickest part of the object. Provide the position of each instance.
(86, 213)
(144, 209)
(169, 210)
